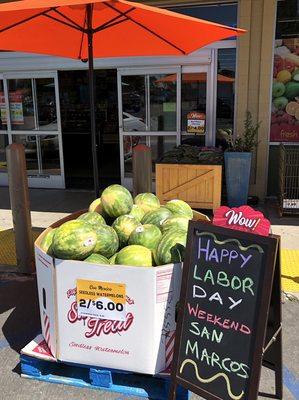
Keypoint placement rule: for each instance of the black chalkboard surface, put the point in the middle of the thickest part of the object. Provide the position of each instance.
(223, 312)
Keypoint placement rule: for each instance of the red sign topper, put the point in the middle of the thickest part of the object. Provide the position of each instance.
(242, 218)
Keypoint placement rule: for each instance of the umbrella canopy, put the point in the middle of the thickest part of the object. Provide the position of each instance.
(200, 77)
(97, 28)
(120, 28)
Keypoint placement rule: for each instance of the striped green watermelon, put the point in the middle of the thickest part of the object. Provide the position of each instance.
(179, 207)
(147, 235)
(107, 242)
(116, 201)
(135, 255)
(156, 217)
(112, 259)
(96, 206)
(93, 218)
(171, 248)
(95, 258)
(147, 201)
(137, 212)
(124, 226)
(175, 222)
(74, 240)
(46, 243)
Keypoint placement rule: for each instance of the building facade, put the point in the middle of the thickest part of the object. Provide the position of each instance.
(44, 100)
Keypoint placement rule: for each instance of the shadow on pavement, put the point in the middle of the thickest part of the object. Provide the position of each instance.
(52, 200)
(22, 324)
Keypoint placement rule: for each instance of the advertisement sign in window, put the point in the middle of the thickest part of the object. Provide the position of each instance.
(16, 108)
(196, 123)
(285, 92)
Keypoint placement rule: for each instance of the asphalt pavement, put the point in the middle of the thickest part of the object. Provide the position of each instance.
(19, 324)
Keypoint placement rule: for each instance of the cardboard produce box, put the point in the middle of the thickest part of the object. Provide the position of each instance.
(142, 342)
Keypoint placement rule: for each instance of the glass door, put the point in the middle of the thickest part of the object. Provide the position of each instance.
(196, 126)
(155, 108)
(30, 116)
(149, 114)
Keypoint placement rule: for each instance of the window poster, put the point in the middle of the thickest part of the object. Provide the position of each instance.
(196, 123)
(285, 92)
(2, 109)
(16, 108)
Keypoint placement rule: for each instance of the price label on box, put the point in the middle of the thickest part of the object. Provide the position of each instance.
(103, 300)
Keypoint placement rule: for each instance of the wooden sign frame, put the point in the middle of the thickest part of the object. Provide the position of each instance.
(269, 298)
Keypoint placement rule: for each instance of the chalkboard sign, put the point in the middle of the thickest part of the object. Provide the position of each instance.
(223, 312)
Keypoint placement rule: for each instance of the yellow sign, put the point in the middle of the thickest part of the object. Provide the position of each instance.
(104, 300)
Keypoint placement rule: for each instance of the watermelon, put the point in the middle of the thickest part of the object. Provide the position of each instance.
(171, 248)
(116, 201)
(124, 226)
(93, 218)
(74, 240)
(179, 207)
(112, 259)
(97, 206)
(95, 258)
(46, 243)
(156, 217)
(107, 242)
(147, 201)
(175, 222)
(147, 235)
(138, 256)
(137, 212)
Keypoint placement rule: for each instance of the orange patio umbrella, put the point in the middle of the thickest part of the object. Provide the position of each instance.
(84, 29)
(195, 77)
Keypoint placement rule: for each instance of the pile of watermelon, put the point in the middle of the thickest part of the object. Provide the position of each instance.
(120, 230)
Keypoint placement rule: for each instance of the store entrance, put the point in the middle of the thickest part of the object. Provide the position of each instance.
(75, 121)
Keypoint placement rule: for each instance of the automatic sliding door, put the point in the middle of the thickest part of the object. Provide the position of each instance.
(148, 113)
(34, 122)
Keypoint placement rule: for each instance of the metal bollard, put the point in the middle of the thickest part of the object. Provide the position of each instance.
(19, 200)
(142, 169)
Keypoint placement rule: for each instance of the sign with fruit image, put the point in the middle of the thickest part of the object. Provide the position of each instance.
(285, 92)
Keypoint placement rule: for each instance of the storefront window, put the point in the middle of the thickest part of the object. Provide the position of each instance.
(225, 93)
(163, 92)
(32, 104)
(149, 102)
(3, 144)
(226, 14)
(285, 89)
(46, 104)
(134, 103)
(41, 152)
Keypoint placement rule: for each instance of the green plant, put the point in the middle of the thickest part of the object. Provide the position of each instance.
(248, 140)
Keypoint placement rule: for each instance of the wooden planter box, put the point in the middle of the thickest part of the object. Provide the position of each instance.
(198, 185)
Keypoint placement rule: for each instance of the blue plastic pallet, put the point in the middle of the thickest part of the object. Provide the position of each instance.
(152, 387)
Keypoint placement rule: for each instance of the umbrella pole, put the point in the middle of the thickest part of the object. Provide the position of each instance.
(92, 101)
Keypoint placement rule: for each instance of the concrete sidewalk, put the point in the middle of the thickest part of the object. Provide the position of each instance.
(49, 205)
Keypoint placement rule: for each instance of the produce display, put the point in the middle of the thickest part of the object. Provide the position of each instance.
(187, 154)
(140, 233)
(285, 91)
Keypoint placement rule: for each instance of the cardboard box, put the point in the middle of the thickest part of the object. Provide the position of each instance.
(142, 343)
